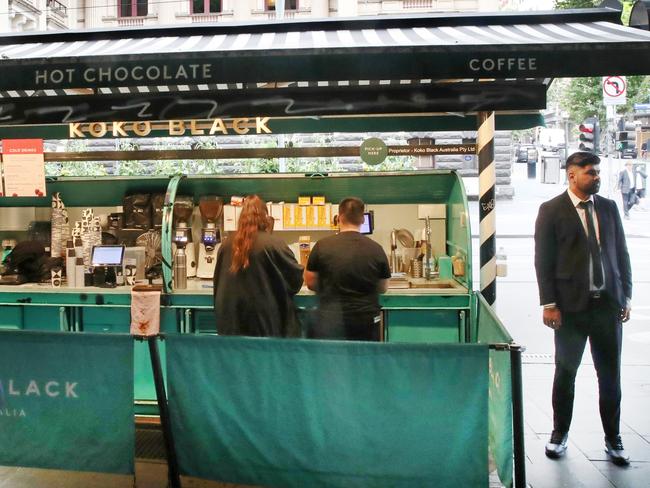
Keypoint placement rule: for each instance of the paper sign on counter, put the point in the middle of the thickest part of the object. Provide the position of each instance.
(23, 168)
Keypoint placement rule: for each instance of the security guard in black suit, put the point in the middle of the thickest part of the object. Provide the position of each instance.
(585, 286)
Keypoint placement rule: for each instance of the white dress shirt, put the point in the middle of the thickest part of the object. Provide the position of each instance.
(582, 213)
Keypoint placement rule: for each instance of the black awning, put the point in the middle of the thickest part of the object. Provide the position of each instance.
(536, 46)
(367, 65)
(320, 101)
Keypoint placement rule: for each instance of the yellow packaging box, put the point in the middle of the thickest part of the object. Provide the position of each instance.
(288, 216)
(323, 216)
(310, 216)
(300, 216)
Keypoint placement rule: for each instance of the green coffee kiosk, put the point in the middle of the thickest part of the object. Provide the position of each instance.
(415, 309)
(441, 310)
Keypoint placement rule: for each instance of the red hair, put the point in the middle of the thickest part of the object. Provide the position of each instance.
(253, 218)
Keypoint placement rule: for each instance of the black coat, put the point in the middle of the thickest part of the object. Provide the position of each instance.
(562, 254)
(258, 300)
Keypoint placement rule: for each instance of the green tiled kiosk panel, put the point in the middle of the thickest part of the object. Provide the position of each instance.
(31, 318)
(43, 318)
(118, 319)
(422, 326)
(11, 316)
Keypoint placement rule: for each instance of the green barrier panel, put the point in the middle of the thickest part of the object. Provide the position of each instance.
(491, 331)
(66, 401)
(301, 413)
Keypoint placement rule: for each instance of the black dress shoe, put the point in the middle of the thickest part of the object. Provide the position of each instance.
(556, 447)
(614, 448)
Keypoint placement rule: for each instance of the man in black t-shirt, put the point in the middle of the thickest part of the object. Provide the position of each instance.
(348, 271)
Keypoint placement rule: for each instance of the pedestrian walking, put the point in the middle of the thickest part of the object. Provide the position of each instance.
(585, 287)
(626, 184)
(640, 177)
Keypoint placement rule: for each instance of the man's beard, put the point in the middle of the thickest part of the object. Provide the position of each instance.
(593, 188)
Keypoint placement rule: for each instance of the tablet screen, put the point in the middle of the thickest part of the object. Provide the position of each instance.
(107, 255)
(368, 223)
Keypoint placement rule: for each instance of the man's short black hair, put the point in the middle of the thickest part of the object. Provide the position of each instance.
(352, 208)
(582, 159)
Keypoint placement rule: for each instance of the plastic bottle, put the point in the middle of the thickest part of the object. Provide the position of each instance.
(502, 263)
(458, 264)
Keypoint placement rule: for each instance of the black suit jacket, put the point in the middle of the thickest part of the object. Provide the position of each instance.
(562, 254)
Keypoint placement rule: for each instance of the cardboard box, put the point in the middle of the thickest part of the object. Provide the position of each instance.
(229, 218)
(277, 212)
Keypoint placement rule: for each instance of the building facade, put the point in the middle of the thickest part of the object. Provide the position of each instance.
(36, 15)
(41, 15)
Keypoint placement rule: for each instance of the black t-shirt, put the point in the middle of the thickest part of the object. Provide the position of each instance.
(258, 300)
(350, 267)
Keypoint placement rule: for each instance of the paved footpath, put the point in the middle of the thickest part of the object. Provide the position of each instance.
(586, 464)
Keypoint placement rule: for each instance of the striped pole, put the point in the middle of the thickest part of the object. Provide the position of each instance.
(486, 207)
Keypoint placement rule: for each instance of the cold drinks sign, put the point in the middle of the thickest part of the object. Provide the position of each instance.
(23, 168)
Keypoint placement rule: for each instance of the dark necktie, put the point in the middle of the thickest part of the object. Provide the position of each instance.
(594, 248)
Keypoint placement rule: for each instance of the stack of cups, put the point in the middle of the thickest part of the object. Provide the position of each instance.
(60, 227)
(86, 235)
(130, 271)
(70, 260)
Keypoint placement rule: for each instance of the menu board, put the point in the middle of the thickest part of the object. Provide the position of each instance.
(23, 168)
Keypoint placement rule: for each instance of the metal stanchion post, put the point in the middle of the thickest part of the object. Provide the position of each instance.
(518, 415)
(172, 462)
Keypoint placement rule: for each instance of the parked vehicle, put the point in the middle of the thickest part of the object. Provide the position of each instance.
(629, 152)
(551, 139)
(527, 154)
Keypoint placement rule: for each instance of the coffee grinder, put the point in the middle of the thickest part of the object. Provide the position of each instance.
(182, 235)
(211, 208)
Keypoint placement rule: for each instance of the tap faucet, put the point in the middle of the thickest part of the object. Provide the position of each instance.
(393, 252)
(427, 258)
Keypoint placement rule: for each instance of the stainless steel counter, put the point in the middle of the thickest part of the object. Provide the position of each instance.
(419, 286)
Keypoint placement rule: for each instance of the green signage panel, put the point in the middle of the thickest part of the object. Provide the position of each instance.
(307, 125)
(491, 331)
(66, 401)
(306, 413)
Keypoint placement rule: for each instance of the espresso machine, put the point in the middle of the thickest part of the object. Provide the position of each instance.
(182, 234)
(211, 208)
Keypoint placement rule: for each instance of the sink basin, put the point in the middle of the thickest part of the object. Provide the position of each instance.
(432, 284)
(420, 286)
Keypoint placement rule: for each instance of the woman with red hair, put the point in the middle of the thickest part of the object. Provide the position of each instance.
(255, 279)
